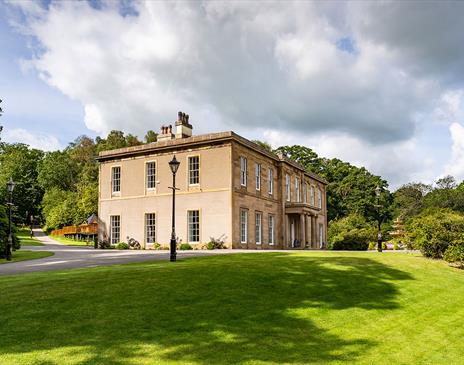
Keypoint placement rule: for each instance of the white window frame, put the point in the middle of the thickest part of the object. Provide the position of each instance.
(147, 176)
(270, 181)
(243, 225)
(297, 189)
(305, 192)
(271, 229)
(319, 198)
(258, 228)
(191, 171)
(113, 180)
(288, 192)
(152, 224)
(190, 222)
(313, 198)
(243, 171)
(258, 176)
(114, 227)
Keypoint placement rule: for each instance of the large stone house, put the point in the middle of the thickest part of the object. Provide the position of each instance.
(228, 186)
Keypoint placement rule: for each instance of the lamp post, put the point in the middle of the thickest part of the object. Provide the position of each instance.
(10, 187)
(174, 165)
(378, 191)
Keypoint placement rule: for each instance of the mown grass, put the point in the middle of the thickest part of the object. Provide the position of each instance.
(71, 242)
(24, 235)
(257, 308)
(23, 255)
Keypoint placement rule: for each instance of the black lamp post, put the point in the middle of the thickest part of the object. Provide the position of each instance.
(10, 187)
(174, 165)
(378, 191)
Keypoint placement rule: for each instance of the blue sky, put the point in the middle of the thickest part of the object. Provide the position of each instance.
(375, 84)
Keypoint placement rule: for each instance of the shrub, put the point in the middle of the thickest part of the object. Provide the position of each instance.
(216, 243)
(185, 247)
(373, 246)
(104, 244)
(122, 246)
(455, 254)
(156, 246)
(351, 233)
(434, 231)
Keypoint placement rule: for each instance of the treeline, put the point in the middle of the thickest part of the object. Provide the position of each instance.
(61, 187)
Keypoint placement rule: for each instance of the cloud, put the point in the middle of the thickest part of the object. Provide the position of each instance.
(374, 73)
(41, 141)
(456, 165)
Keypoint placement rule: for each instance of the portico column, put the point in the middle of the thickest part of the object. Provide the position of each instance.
(302, 230)
(313, 232)
(287, 231)
(308, 230)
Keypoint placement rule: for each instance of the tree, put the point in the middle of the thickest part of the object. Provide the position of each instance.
(151, 136)
(19, 162)
(132, 140)
(263, 145)
(115, 139)
(57, 170)
(352, 232)
(409, 199)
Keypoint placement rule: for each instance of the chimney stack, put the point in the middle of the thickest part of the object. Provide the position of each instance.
(166, 133)
(183, 127)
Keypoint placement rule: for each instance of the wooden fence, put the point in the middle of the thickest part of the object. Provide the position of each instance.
(82, 230)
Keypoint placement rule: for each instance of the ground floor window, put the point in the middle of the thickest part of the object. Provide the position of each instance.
(150, 222)
(321, 236)
(271, 229)
(258, 227)
(244, 226)
(194, 226)
(115, 229)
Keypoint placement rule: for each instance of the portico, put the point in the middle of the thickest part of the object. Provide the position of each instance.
(301, 228)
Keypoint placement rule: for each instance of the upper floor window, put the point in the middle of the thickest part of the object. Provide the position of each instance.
(116, 179)
(287, 187)
(312, 196)
(270, 181)
(194, 170)
(305, 192)
(243, 171)
(193, 226)
(319, 198)
(258, 176)
(297, 189)
(151, 175)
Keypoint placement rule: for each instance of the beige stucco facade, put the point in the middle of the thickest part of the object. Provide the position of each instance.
(217, 201)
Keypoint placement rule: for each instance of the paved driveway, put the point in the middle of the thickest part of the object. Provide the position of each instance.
(69, 257)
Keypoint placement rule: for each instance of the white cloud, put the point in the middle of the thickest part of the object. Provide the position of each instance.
(456, 165)
(243, 66)
(42, 141)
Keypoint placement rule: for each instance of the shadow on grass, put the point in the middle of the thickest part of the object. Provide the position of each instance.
(215, 310)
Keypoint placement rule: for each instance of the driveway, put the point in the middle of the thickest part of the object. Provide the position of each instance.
(70, 257)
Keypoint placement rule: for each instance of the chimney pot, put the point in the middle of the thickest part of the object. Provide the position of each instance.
(186, 118)
(170, 128)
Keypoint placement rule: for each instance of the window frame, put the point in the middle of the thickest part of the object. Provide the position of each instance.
(258, 176)
(189, 240)
(271, 228)
(243, 225)
(147, 163)
(258, 230)
(319, 198)
(112, 227)
(312, 196)
(297, 189)
(288, 189)
(189, 170)
(243, 171)
(146, 228)
(270, 183)
(113, 168)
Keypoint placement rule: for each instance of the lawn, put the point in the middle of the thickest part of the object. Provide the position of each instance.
(23, 255)
(258, 308)
(24, 236)
(70, 241)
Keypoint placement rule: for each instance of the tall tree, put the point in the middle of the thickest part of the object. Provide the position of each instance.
(151, 136)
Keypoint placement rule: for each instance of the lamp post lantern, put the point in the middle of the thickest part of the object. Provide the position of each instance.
(10, 187)
(174, 165)
(378, 192)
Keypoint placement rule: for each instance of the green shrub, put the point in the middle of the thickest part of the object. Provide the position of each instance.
(156, 246)
(373, 246)
(351, 233)
(185, 247)
(434, 231)
(122, 246)
(216, 243)
(455, 254)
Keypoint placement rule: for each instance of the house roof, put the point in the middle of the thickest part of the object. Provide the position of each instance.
(199, 140)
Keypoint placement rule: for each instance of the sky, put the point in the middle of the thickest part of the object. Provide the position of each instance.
(377, 84)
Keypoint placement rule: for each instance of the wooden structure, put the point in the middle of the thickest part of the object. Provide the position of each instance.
(87, 231)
